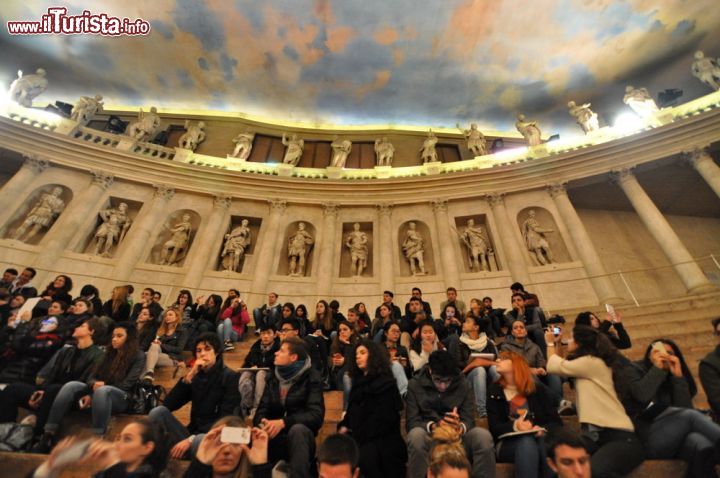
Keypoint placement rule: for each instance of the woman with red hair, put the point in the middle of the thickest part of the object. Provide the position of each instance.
(519, 405)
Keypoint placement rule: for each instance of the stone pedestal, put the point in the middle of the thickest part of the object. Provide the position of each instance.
(432, 168)
(199, 261)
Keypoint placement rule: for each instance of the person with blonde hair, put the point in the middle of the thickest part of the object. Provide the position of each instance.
(117, 308)
(167, 348)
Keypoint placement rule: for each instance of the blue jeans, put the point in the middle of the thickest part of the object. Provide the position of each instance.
(65, 400)
(399, 373)
(554, 383)
(106, 400)
(527, 453)
(176, 430)
(225, 331)
(272, 317)
(478, 379)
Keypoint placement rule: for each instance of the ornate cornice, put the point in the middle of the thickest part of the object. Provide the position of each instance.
(696, 155)
(556, 189)
(277, 206)
(384, 209)
(439, 205)
(163, 192)
(330, 209)
(622, 175)
(222, 201)
(102, 179)
(495, 199)
(36, 164)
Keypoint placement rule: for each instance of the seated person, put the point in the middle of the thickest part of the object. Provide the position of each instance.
(567, 454)
(338, 457)
(416, 293)
(395, 312)
(146, 328)
(232, 323)
(146, 300)
(452, 320)
(72, 363)
(496, 316)
(452, 298)
(9, 306)
(362, 329)
(516, 403)
(440, 394)
(57, 290)
(167, 348)
(399, 358)
(317, 347)
(292, 408)
(710, 373)
(261, 355)
(478, 312)
(660, 403)
(80, 310)
(409, 323)
(324, 323)
(342, 351)
(447, 456)
(620, 339)
(9, 275)
(21, 284)
(531, 318)
(117, 308)
(426, 343)
(211, 388)
(268, 313)
(105, 392)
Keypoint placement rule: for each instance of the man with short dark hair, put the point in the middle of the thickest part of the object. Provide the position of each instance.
(567, 455)
(316, 346)
(338, 457)
(710, 373)
(157, 296)
(416, 293)
(269, 313)
(22, 285)
(452, 299)
(388, 297)
(409, 324)
(532, 299)
(361, 328)
(146, 300)
(8, 277)
(292, 408)
(496, 316)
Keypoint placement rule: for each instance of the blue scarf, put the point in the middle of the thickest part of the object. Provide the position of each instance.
(287, 372)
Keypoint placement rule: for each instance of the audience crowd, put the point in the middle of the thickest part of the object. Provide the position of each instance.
(472, 386)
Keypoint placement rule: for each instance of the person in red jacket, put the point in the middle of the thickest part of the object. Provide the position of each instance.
(232, 323)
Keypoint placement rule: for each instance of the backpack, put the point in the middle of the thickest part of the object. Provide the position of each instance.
(144, 397)
(15, 437)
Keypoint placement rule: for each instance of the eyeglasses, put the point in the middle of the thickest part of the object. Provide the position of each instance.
(284, 331)
(441, 380)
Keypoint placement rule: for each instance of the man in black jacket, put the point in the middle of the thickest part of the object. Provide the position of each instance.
(72, 363)
(388, 297)
(261, 356)
(210, 386)
(440, 394)
(292, 409)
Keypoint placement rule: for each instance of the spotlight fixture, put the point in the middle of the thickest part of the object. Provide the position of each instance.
(669, 97)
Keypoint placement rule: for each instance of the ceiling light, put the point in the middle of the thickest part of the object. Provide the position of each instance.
(627, 123)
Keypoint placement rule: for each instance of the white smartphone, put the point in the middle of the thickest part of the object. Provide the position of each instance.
(239, 435)
(610, 310)
(659, 347)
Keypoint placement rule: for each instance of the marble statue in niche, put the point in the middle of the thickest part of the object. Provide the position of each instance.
(25, 88)
(299, 245)
(478, 246)
(85, 108)
(414, 249)
(475, 139)
(178, 242)
(535, 241)
(194, 135)
(243, 145)
(428, 153)
(146, 126)
(294, 150)
(640, 101)
(529, 130)
(706, 70)
(236, 243)
(113, 229)
(42, 215)
(584, 116)
(341, 150)
(384, 152)
(357, 241)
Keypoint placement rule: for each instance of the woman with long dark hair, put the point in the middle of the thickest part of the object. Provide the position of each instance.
(373, 413)
(659, 400)
(105, 393)
(184, 304)
(596, 365)
(324, 324)
(620, 338)
(146, 327)
(58, 289)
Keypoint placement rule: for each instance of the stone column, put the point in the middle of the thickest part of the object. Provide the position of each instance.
(135, 243)
(690, 273)
(15, 192)
(210, 234)
(704, 164)
(326, 266)
(446, 237)
(70, 220)
(385, 246)
(264, 259)
(514, 251)
(601, 283)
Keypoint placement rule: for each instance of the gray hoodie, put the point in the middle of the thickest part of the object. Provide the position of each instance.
(529, 350)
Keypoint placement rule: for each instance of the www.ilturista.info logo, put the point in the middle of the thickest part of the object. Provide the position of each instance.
(58, 22)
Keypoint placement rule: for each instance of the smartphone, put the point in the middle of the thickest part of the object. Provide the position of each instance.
(239, 435)
(71, 454)
(659, 347)
(610, 310)
(556, 330)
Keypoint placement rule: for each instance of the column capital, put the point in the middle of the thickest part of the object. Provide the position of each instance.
(696, 155)
(495, 199)
(277, 206)
(102, 179)
(36, 164)
(163, 192)
(439, 205)
(556, 189)
(622, 175)
(330, 209)
(384, 209)
(221, 201)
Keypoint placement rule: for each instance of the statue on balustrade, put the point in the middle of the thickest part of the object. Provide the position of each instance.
(236, 243)
(341, 150)
(46, 210)
(357, 243)
(113, 229)
(384, 151)
(299, 245)
(24, 89)
(706, 70)
(529, 130)
(193, 136)
(294, 150)
(428, 153)
(584, 116)
(175, 249)
(475, 139)
(146, 126)
(85, 108)
(243, 145)
(414, 249)
(534, 236)
(640, 101)
(478, 246)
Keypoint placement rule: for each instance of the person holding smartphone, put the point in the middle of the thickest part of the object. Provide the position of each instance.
(620, 338)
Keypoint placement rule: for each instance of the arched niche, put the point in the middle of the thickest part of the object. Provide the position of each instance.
(534, 238)
(173, 232)
(111, 218)
(236, 233)
(345, 255)
(483, 229)
(290, 231)
(38, 213)
(405, 237)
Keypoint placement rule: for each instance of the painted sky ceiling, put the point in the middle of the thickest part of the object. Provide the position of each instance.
(358, 62)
